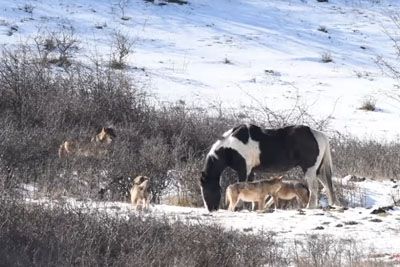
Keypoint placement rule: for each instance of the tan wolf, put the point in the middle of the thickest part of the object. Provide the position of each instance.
(97, 147)
(291, 189)
(256, 191)
(140, 193)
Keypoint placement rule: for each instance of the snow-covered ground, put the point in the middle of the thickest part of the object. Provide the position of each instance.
(231, 53)
(378, 233)
(234, 53)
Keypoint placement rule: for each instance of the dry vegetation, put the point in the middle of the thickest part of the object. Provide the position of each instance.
(42, 105)
(35, 236)
(44, 102)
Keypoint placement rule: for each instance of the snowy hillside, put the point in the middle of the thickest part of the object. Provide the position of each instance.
(230, 54)
(240, 52)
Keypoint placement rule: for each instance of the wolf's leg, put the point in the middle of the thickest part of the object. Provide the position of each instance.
(276, 200)
(261, 203)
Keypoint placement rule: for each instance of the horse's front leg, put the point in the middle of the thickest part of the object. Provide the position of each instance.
(242, 174)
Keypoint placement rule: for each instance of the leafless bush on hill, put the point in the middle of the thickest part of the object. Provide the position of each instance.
(391, 68)
(57, 47)
(122, 47)
(298, 113)
(368, 104)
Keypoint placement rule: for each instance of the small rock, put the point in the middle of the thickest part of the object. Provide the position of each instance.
(351, 223)
(382, 210)
(356, 179)
(376, 220)
(301, 212)
(339, 225)
(319, 228)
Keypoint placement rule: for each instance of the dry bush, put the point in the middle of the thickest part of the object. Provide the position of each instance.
(368, 104)
(365, 158)
(325, 250)
(326, 57)
(32, 235)
(40, 108)
(350, 195)
(122, 47)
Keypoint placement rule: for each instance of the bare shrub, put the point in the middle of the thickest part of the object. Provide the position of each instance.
(122, 4)
(349, 194)
(368, 104)
(122, 46)
(326, 57)
(322, 29)
(326, 251)
(28, 8)
(32, 235)
(365, 158)
(227, 61)
(297, 114)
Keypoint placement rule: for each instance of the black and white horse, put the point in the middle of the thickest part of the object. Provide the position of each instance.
(248, 147)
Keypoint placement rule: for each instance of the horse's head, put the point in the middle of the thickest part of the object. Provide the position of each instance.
(105, 135)
(209, 182)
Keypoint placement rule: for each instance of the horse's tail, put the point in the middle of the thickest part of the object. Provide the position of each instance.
(325, 169)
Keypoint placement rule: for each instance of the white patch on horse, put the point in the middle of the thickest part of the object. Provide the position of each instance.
(227, 133)
(216, 145)
(250, 151)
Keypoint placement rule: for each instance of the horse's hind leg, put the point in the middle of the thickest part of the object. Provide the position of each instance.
(324, 182)
(300, 203)
(312, 181)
